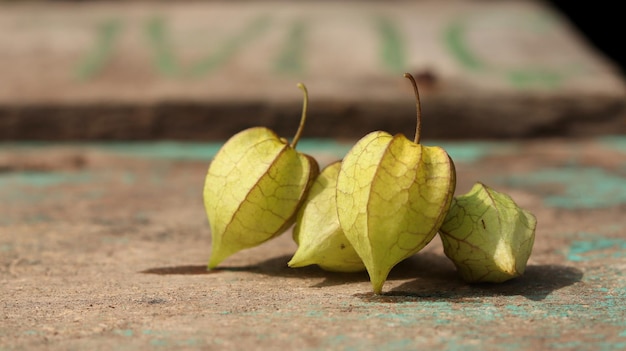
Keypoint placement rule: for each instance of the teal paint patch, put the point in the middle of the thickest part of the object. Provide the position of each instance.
(623, 334)
(597, 312)
(614, 142)
(314, 313)
(191, 342)
(392, 50)
(396, 317)
(324, 146)
(168, 339)
(163, 56)
(467, 322)
(353, 343)
(441, 312)
(160, 339)
(573, 188)
(470, 152)
(483, 312)
(290, 59)
(124, 332)
(532, 78)
(518, 311)
(95, 61)
(596, 249)
(615, 307)
(165, 60)
(579, 345)
(570, 345)
(159, 342)
(198, 151)
(454, 38)
(42, 179)
(544, 76)
(206, 151)
(400, 344)
(163, 150)
(229, 47)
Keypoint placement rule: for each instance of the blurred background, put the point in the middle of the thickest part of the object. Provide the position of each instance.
(203, 70)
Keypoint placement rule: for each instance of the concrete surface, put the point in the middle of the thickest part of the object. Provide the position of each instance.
(104, 247)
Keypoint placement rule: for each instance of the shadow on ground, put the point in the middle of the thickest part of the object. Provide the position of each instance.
(436, 278)
(432, 277)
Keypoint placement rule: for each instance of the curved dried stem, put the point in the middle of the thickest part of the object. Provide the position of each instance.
(418, 128)
(305, 105)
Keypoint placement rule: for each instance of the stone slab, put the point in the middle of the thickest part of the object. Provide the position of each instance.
(104, 246)
(201, 70)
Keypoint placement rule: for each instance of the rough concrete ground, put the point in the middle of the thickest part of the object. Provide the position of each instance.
(104, 246)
